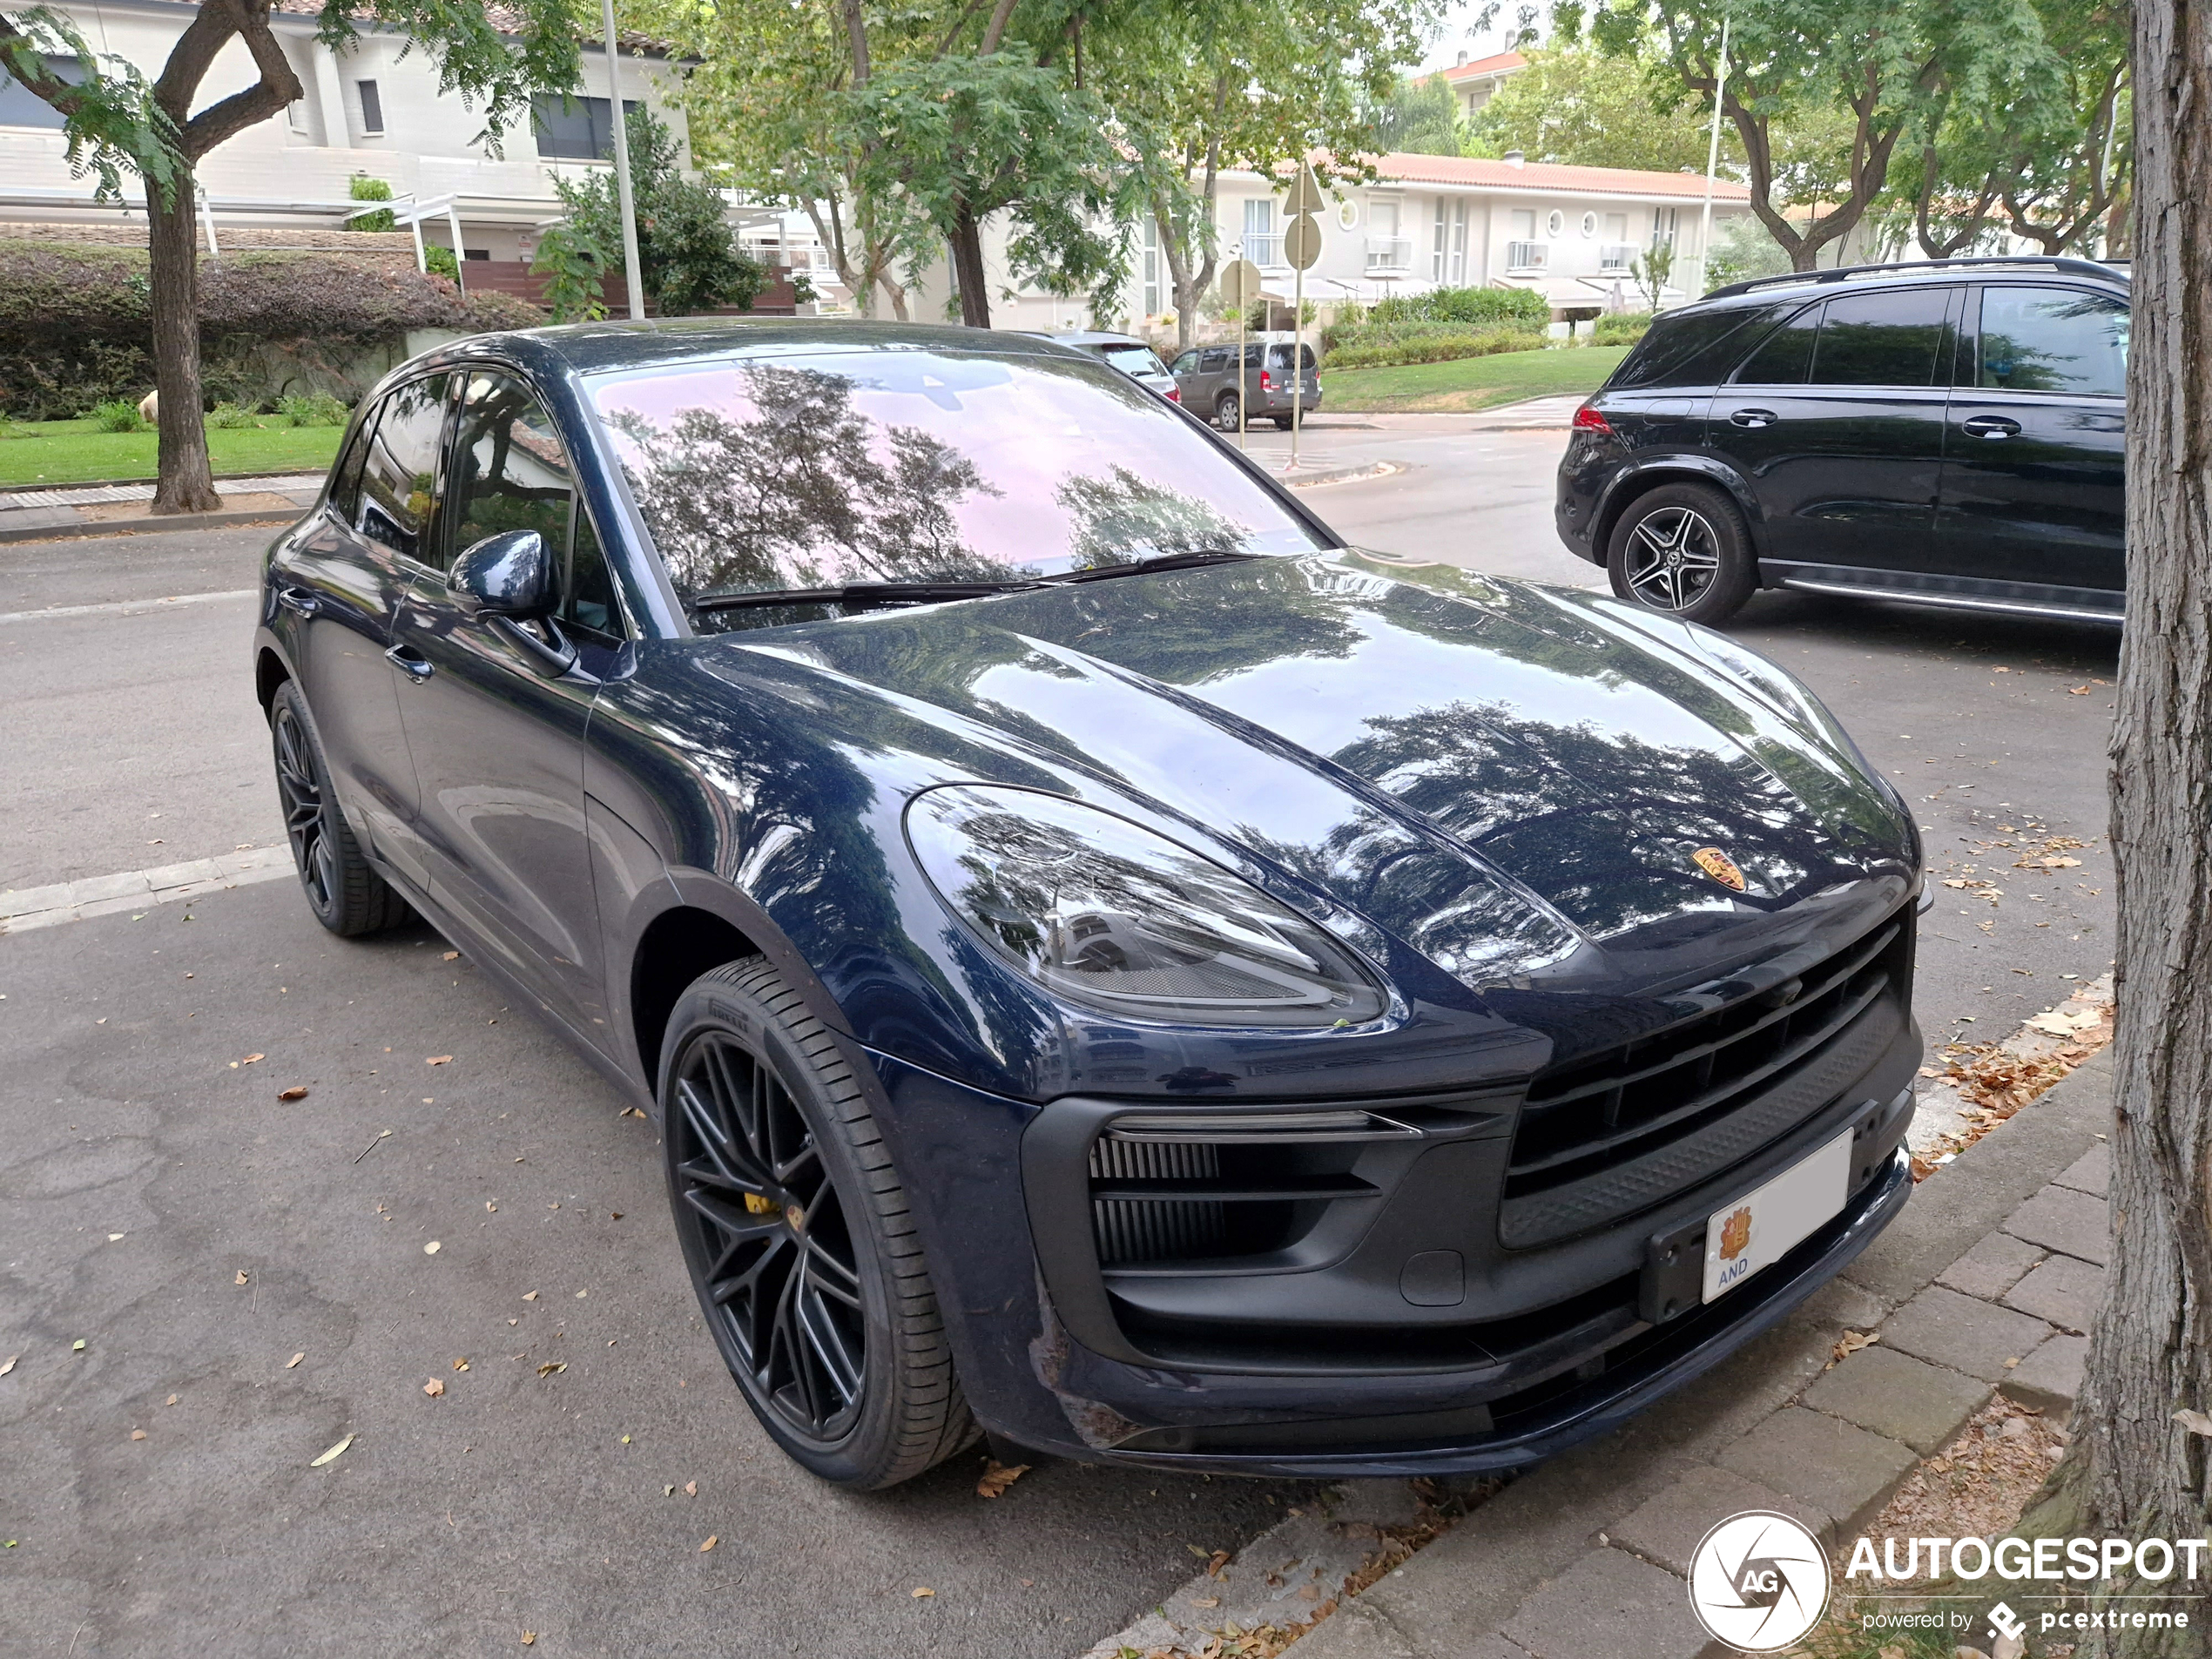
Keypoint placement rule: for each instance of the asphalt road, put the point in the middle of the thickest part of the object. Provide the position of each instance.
(513, 1502)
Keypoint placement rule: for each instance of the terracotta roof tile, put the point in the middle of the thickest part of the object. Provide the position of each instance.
(1553, 177)
(1497, 63)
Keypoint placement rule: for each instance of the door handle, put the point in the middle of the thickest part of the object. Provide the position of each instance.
(411, 663)
(1753, 418)
(298, 601)
(1991, 426)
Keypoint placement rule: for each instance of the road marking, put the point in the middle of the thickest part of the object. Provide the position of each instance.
(128, 604)
(101, 895)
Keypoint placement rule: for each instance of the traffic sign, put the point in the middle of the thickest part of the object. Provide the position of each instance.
(1301, 243)
(1239, 283)
(1305, 193)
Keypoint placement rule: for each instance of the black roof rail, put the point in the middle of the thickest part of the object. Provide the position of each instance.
(2042, 262)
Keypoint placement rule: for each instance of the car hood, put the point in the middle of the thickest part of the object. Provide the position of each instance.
(1526, 784)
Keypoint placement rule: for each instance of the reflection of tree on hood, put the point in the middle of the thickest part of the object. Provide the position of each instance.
(799, 495)
(1124, 518)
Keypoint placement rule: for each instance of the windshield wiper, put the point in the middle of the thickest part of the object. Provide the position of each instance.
(1158, 562)
(860, 595)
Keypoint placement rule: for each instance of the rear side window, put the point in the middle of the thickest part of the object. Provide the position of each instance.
(1882, 339)
(2053, 339)
(399, 469)
(1132, 360)
(1212, 362)
(1279, 356)
(1686, 348)
(1784, 357)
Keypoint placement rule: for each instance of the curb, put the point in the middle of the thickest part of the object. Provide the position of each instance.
(1344, 475)
(140, 526)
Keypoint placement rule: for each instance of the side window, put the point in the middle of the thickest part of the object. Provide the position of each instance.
(398, 480)
(345, 481)
(2053, 339)
(1881, 339)
(1784, 357)
(511, 473)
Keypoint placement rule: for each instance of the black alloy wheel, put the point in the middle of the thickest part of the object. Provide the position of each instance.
(1228, 412)
(346, 894)
(1682, 550)
(799, 1239)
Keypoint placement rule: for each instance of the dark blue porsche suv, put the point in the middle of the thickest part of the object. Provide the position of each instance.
(1115, 969)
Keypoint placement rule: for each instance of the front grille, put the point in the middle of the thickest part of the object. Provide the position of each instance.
(1611, 1133)
(1147, 1230)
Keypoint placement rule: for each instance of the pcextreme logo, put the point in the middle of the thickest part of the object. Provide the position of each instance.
(1758, 1582)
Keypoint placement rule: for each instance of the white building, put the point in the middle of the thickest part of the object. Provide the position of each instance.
(376, 109)
(1426, 222)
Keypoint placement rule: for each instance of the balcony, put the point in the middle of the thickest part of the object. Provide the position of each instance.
(1266, 251)
(1527, 256)
(1616, 256)
(1389, 255)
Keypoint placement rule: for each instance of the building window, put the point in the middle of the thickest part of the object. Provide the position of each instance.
(1664, 221)
(1556, 226)
(372, 110)
(1459, 241)
(1439, 240)
(1262, 246)
(1149, 265)
(20, 107)
(574, 129)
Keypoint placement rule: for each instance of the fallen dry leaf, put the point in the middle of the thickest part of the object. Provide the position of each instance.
(1205, 1601)
(171, 1400)
(691, 1488)
(439, 1060)
(241, 1278)
(9, 1363)
(529, 1296)
(920, 1591)
(529, 1638)
(250, 1058)
(1854, 1340)
(450, 956)
(298, 1091)
(997, 1477)
(712, 1539)
(434, 1388)
(331, 1455)
(433, 1247)
(461, 1364)
(552, 1366)
(1216, 1566)
(295, 1360)
(138, 1435)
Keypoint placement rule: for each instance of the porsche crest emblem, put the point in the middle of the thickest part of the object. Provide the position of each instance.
(1736, 1233)
(1720, 866)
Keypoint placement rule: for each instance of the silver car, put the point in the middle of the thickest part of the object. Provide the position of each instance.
(1130, 355)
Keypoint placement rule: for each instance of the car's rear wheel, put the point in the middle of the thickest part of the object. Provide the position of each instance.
(1684, 549)
(1228, 412)
(798, 1236)
(347, 896)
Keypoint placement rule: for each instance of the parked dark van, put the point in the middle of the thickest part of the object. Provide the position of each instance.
(1951, 432)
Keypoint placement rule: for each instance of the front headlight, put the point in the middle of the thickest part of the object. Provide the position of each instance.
(1116, 918)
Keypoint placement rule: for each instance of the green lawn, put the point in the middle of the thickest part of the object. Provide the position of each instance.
(1468, 382)
(64, 452)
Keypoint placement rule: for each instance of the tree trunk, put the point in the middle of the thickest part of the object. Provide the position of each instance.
(968, 270)
(2151, 1352)
(187, 485)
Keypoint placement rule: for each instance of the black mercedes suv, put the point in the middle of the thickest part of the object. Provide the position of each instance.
(1950, 431)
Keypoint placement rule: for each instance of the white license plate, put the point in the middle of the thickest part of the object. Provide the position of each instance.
(1763, 1225)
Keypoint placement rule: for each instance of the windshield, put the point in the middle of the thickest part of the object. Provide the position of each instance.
(813, 471)
(1133, 360)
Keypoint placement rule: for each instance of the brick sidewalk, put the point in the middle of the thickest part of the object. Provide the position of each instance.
(1987, 1281)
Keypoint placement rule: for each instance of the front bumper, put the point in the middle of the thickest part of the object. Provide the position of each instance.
(1024, 1344)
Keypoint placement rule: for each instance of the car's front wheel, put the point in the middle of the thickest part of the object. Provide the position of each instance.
(1684, 549)
(346, 894)
(798, 1236)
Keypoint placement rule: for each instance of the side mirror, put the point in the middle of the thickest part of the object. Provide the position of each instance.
(507, 574)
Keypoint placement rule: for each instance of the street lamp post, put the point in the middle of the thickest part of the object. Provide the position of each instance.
(633, 277)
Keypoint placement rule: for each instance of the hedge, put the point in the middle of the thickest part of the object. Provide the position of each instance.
(74, 326)
(1623, 329)
(1436, 347)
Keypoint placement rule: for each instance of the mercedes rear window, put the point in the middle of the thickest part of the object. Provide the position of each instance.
(1686, 348)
